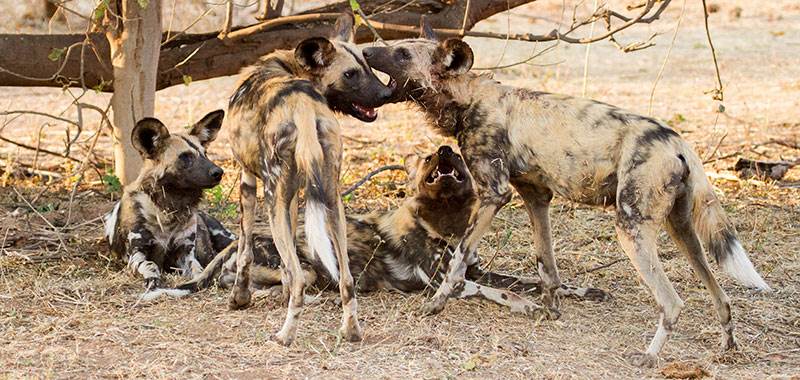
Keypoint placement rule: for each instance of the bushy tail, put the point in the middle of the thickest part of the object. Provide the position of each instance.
(717, 233)
(309, 157)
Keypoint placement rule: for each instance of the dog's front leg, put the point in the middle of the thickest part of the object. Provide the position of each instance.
(503, 297)
(240, 294)
(141, 247)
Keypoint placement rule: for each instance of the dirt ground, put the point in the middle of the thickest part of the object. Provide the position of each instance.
(68, 311)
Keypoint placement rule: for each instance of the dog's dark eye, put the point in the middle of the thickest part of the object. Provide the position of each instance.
(186, 159)
(428, 159)
(403, 53)
(350, 74)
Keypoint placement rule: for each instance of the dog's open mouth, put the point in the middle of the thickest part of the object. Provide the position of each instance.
(444, 171)
(364, 113)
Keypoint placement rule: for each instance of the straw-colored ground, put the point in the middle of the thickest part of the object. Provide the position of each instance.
(66, 311)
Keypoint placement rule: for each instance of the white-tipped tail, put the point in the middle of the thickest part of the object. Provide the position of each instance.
(739, 266)
(318, 240)
(157, 293)
(110, 220)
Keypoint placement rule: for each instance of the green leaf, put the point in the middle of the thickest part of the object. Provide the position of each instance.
(187, 79)
(100, 10)
(354, 5)
(98, 88)
(112, 182)
(56, 54)
(143, 3)
(348, 198)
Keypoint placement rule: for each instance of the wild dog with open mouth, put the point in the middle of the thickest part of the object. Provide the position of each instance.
(157, 224)
(281, 119)
(406, 249)
(544, 144)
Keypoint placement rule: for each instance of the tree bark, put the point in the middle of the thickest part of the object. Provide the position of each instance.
(134, 49)
(204, 56)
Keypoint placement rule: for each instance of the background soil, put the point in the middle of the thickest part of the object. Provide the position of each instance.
(68, 310)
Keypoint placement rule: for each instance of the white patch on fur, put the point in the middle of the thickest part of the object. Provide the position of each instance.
(133, 235)
(110, 222)
(318, 241)
(627, 209)
(448, 59)
(739, 266)
(400, 270)
(157, 293)
(422, 275)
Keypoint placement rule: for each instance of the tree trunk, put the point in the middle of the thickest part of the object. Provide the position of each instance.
(135, 47)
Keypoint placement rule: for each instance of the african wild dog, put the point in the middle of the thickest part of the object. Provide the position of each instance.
(544, 144)
(406, 249)
(156, 224)
(281, 119)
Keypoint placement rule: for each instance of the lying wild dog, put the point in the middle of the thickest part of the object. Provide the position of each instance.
(157, 224)
(406, 249)
(283, 132)
(544, 144)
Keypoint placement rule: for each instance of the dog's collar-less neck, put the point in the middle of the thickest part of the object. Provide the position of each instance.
(172, 200)
(450, 102)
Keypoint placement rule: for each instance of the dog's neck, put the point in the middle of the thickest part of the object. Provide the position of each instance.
(170, 199)
(280, 64)
(451, 104)
(444, 218)
(449, 217)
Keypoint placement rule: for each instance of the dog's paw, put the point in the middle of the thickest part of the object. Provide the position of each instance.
(284, 338)
(642, 360)
(433, 306)
(595, 294)
(728, 343)
(239, 299)
(152, 283)
(351, 331)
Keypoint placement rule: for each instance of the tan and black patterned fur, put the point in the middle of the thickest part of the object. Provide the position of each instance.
(542, 145)
(157, 226)
(284, 133)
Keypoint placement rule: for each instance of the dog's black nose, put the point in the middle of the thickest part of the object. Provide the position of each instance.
(217, 173)
(368, 52)
(445, 150)
(386, 94)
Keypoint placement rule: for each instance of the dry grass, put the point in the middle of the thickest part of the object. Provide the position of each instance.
(73, 313)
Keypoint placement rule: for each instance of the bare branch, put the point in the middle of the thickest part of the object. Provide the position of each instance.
(717, 93)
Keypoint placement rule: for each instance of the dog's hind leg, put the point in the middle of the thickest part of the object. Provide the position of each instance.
(639, 243)
(240, 294)
(642, 205)
(350, 328)
(681, 229)
(280, 222)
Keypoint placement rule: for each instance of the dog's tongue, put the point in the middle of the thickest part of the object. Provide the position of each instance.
(366, 111)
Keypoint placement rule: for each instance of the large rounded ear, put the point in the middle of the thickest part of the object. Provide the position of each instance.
(453, 57)
(149, 137)
(207, 128)
(343, 29)
(425, 29)
(314, 53)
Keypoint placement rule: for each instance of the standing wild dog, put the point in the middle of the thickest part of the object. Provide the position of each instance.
(544, 144)
(281, 119)
(406, 249)
(156, 224)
